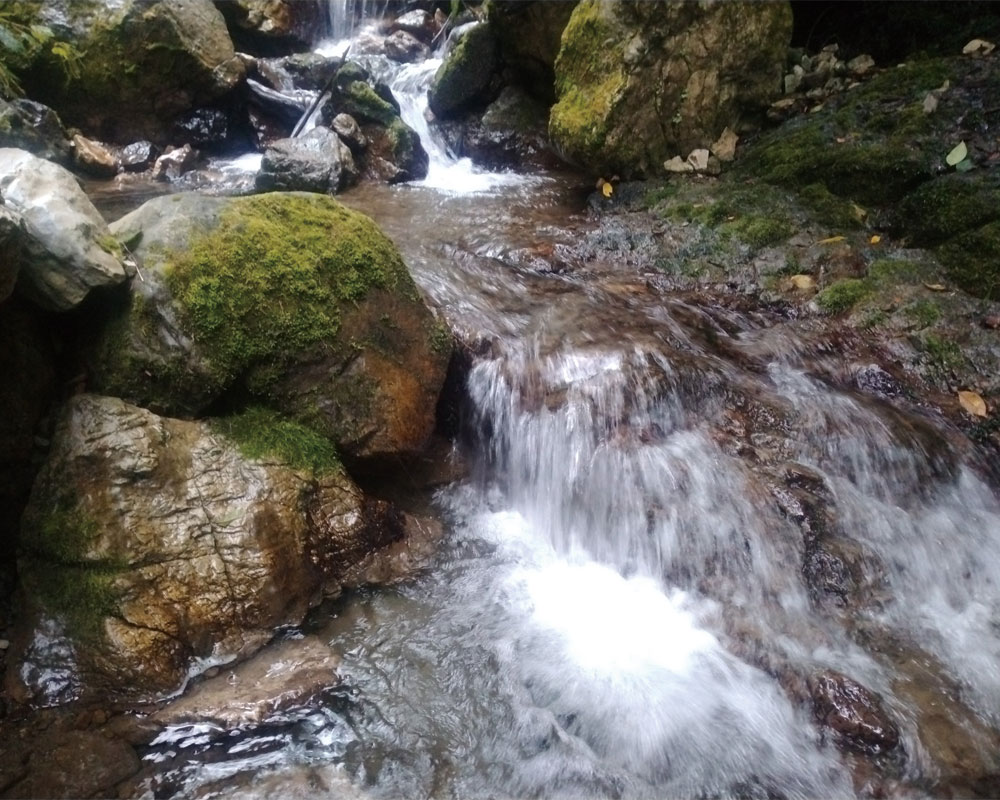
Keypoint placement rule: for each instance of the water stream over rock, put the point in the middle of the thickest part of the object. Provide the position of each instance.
(687, 562)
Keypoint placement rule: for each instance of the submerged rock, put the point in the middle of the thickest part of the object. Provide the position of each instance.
(154, 547)
(853, 712)
(294, 298)
(638, 82)
(315, 162)
(68, 250)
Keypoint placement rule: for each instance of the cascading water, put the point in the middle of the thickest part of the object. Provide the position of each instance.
(659, 551)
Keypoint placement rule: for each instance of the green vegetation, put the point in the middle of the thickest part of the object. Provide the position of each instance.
(972, 261)
(267, 283)
(942, 354)
(923, 313)
(260, 433)
(361, 101)
(23, 42)
(760, 232)
(843, 295)
(948, 206)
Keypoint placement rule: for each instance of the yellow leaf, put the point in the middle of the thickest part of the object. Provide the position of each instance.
(802, 282)
(936, 287)
(958, 153)
(875, 239)
(972, 403)
(831, 240)
(607, 189)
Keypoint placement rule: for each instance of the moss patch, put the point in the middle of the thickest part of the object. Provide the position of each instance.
(843, 295)
(948, 206)
(265, 285)
(261, 433)
(972, 261)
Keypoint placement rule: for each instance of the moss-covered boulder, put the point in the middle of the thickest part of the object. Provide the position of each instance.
(638, 83)
(153, 548)
(135, 66)
(465, 73)
(288, 297)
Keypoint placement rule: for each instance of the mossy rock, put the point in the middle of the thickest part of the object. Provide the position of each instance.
(281, 296)
(637, 83)
(972, 261)
(949, 206)
(465, 74)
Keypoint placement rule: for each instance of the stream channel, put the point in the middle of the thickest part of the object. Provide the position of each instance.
(624, 603)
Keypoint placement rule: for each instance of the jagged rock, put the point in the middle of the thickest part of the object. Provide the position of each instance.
(347, 128)
(69, 250)
(93, 158)
(529, 33)
(174, 163)
(323, 321)
(272, 26)
(138, 156)
(318, 161)
(153, 547)
(466, 71)
(417, 23)
(203, 128)
(36, 128)
(638, 82)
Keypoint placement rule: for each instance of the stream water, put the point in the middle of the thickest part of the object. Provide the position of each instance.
(621, 606)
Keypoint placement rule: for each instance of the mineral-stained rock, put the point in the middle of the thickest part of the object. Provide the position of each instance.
(154, 547)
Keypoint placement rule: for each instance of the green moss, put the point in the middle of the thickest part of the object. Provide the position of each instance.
(267, 283)
(886, 273)
(261, 433)
(441, 338)
(828, 209)
(109, 244)
(948, 206)
(64, 533)
(942, 354)
(843, 295)
(589, 80)
(760, 232)
(923, 313)
(361, 101)
(972, 261)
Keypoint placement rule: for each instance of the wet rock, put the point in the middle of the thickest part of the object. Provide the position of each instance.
(203, 128)
(466, 71)
(34, 127)
(174, 163)
(418, 23)
(616, 56)
(282, 676)
(405, 48)
(853, 712)
(150, 543)
(11, 250)
(76, 764)
(272, 26)
(872, 379)
(324, 323)
(145, 64)
(529, 35)
(138, 156)
(859, 65)
(318, 161)
(347, 128)
(93, 158)
(69, 251)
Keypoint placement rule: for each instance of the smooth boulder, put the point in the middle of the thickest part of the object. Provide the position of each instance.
(68, 250)
(465, 74)
(291, 297)
(153, 548)
(638, 83)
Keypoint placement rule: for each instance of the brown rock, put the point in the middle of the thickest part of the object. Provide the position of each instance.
(77, 764)
(992, 321)
(93, 158)
(853, 712)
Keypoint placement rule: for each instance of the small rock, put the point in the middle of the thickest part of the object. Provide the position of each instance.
(724, 148)
(4, 644)
(792, 82)
(930, 103)
(859, 65)
(419, 24)
(138, 156)
(977, 46)
(173, 164)
(404, 48)
(992, 322)
(93, 158)
(698, 159)
(853, 712)
(677, 164)
(347, 128)
(802, 282)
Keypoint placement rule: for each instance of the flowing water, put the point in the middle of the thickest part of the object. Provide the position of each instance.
(621, 606)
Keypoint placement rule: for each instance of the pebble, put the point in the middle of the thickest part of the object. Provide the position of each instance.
(992, 322)
(4, 644)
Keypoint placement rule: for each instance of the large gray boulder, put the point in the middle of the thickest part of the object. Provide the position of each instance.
(36, 128)
(68, 250)
(318, 161)
(154, 548)
(289, 296)
(638, 83)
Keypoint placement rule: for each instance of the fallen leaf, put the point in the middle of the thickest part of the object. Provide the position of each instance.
(607, 190)
(964, 165)
(930, 104)
(860, 214)
(875, 239)
(958, 153)
(978, 46)
(802, 282)
(831, 240)
(936, 287)
(972, 403)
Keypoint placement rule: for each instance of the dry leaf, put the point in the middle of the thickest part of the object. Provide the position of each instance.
(831, 240)
(875, 239)
(936, 287)
(958, 153)
(607, 189)
(978, 46)
(973, 403)
(802, 282)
